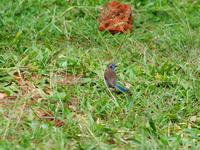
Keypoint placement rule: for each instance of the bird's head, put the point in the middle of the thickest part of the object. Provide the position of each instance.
(112, 66)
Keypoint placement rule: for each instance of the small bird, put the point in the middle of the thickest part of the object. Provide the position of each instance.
(110, 78)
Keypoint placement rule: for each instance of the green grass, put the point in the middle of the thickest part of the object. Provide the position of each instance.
(160, 59)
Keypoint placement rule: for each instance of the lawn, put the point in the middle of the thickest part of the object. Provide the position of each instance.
(52, 60)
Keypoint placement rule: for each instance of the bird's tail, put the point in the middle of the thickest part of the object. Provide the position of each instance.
(121, 89)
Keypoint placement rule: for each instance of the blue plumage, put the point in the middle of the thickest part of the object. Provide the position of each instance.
(110, 78)
(121, 89)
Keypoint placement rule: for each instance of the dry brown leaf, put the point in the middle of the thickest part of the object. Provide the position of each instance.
(58, 123)
(14, 97)
(6, 100)
(42, 114)
(48, 90)
(48, 116)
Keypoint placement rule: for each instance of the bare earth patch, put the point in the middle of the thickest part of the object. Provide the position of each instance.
(115, 18)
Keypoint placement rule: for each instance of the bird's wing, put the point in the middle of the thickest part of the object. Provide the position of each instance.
(110, 77)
